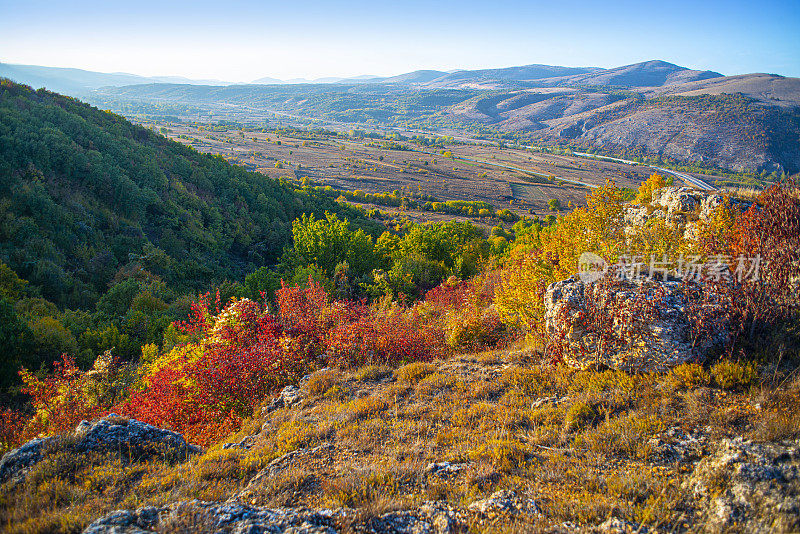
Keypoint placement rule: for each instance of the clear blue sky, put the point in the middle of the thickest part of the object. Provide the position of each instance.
(240, 40)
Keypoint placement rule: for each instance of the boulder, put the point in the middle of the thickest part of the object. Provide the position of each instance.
(16, 463)
(134, 439)
(504, 502)
(131, 439)
(631, 325)
(193, 516)
(749, 487)
(677, 199)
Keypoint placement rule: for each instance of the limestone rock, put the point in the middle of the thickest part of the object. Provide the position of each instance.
(677, 199)
(16, 463)
(749, 487)
(504, 501)
(131, 439)
(202, 516)
(639, 343)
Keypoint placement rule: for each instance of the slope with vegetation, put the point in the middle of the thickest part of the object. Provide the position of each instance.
(419, 385)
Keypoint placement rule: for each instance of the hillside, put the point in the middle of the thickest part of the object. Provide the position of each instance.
(87, 194)
(531, 396)
(107, 227)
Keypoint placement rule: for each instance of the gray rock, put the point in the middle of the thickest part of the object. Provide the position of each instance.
(400, 522)
(444, 469)
(504, 501)
(677, 199)
(640, 343)
(749, 487)
(288, 396)
(613, 525)
(16, 463)
(199, 516)
(131, 439)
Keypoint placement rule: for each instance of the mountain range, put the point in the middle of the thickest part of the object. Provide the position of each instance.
(743, 123)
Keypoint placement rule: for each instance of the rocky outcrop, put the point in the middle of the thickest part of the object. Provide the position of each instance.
(433, 517)
(132, 440)
(677, 199)
(16, 463)
(637, 326)
(199, 516)
(749, 487)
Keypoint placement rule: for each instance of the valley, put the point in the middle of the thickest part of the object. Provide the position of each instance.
(520, 180)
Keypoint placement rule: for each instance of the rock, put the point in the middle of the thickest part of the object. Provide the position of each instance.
(401, 522)
(444, 469)
(504, 501)
(139, 521)
(677, 199)
(613, 525)
(554, 400)
(635, 216)
(16, 463)
(635, 341)
(131, 439)
(749, 487)
(675, 445)
(710, 203)
(288, 396)
(202, 516)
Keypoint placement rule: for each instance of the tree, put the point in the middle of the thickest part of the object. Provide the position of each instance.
(328, 242)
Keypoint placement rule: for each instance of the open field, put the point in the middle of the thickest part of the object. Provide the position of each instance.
(520, 180)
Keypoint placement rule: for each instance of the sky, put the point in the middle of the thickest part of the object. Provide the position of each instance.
(242, 40)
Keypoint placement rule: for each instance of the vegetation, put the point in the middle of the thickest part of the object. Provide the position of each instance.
(420, 343)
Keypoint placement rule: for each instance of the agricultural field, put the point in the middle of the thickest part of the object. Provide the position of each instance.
(523, 181)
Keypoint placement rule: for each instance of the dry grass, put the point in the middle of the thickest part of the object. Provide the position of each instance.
(583, 453)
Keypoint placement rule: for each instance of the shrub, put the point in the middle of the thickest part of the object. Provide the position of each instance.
(645, 195)
(690, 375)
(729, 374)
(69, 395)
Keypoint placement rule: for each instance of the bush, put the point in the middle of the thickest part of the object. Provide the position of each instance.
(690, 375)
(729, 374)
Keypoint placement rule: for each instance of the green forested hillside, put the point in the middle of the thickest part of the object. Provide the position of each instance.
(107, 228)
(85, 194)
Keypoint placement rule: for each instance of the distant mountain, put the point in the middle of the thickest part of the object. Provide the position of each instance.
(646, 74)
(78, 82)
(746, 123)
(418, 76)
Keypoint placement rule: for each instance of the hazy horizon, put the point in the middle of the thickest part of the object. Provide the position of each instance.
(246, 40)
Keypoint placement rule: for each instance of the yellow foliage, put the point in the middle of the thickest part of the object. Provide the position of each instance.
(645, 196)
(597, 228)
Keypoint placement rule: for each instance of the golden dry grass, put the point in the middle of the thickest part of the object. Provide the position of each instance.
(584, 455)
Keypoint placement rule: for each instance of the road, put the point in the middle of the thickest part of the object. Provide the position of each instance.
(689, 179)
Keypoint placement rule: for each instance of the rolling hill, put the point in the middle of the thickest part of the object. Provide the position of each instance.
(85, 196)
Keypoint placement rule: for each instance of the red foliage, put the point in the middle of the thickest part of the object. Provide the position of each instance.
(770, 232)
(299, 308)
(243, 362)
(11, 429)
(64, 398)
